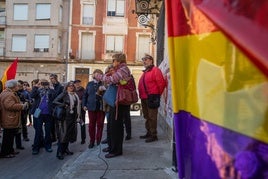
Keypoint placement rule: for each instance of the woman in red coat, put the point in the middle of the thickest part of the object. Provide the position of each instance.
(151, 83)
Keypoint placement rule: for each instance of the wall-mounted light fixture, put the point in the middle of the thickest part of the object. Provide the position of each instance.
(147, 12)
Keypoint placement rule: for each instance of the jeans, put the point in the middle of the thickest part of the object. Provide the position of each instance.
(38, 126)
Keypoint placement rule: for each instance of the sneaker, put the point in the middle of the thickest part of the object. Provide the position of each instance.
(30, 124)
(105, 141)
(106, 149)
(20, 148)
(145, 136)
(90, 145)
(49, 150)
(26, 139)
(35, 152)
(128, 137)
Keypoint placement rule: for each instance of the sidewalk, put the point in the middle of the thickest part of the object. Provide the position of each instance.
(140, 160)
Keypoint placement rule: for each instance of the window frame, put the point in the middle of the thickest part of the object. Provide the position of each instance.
(41, 16)
(40, 45)
(113, 44)
(22, 46)
(83, 14)
(113, 8)
(17, 15)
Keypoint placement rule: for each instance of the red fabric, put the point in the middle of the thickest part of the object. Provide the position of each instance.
(154, 81)
(245, 22)
(10, 72)
(95, 126)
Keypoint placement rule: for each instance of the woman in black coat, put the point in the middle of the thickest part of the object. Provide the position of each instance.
(66, 127)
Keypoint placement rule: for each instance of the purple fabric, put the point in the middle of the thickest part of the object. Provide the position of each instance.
(44, 105)
(205, 150)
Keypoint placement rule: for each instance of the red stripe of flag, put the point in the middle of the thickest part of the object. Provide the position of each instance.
(10, 72)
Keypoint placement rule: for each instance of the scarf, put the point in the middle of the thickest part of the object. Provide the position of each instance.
(74, 97)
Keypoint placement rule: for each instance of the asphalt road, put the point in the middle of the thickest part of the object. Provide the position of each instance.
(44, 165)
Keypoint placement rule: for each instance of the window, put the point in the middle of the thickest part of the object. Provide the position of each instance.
(87, 46)
(116, 8)
(18, 43)
(143, 46)
(114, 44)
(88, 14)
(41, 43)
(42, 11)
(20, 12)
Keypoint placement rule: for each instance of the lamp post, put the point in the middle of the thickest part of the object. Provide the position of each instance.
(147, 10)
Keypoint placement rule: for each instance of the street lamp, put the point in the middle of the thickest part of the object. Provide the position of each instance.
(146, 11)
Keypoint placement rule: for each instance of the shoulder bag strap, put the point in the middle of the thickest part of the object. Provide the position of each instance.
(144, 84)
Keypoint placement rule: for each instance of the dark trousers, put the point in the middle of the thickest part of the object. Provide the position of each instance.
(127, 120)
(83, 127)
(117, 129)
(109, 117)
(53, 129)
(18, 139)
(95, 126)
(38, 126)
(150, 116)
(8, 141)
(24, 124)
(62, 147)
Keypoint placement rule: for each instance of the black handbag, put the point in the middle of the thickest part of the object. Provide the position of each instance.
(153, 100)
(58, 113)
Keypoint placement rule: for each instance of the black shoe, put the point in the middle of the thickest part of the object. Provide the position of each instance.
(111, 155)
(151, 139)
(145, 136)
(68, 152)
(26, 139)
(90, 145)
(128, 137)
(60, 156)
(106, 149)
(20, 148)
(53, 139)
(15, 153)
(83, 141)
(105, 141)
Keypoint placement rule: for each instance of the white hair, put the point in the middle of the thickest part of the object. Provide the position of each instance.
(11, 83)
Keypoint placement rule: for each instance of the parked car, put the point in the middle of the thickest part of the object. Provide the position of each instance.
(135, 106)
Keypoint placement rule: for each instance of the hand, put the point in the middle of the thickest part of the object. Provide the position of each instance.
(85, 108)
(25, 106)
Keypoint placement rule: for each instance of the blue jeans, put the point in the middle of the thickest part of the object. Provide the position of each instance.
(39, 140)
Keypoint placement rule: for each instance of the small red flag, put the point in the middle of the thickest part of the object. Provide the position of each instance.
(10, 72)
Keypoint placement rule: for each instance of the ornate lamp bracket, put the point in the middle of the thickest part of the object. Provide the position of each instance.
(147, 13)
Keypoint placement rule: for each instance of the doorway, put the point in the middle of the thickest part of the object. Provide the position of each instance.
(83, 75)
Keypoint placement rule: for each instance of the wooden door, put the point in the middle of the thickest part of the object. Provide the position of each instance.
(83, 75)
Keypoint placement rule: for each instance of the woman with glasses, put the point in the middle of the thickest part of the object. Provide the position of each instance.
(67, 126)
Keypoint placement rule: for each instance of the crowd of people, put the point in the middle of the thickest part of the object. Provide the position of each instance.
(20, 102)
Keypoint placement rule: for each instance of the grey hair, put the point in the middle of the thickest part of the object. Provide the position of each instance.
(11, 83)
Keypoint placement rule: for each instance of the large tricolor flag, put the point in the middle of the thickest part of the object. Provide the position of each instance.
(218, 52)
(10, 72)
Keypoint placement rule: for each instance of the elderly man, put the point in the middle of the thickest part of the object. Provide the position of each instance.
(151, 86)
(11, 108)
